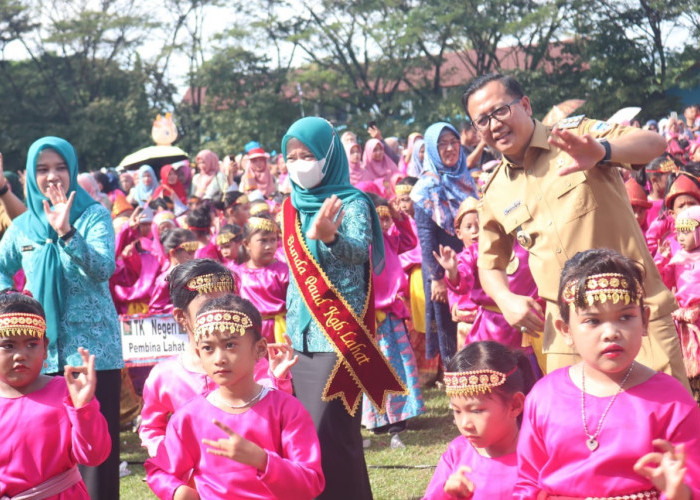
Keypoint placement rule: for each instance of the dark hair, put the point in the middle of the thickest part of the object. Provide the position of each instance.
(14, 301)
(512, 86)
(161, 203)
(234, 303)
(230, 198)
(249, 231)
(199, 219)
(234, 229)
(103, 180)
(598, 261)
(171, 238)
(378, 200)
(407, 181)
(180, 296)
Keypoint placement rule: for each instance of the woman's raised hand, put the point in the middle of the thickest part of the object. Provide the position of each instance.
(58, 214)
(325, 225)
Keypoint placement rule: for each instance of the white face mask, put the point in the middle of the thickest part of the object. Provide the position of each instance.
(308, 174)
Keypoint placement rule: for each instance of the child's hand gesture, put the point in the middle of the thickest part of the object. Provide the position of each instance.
(281, 358)
(459, 485)
(668, 473)
(237, 448)
(447, 258)
(81, 380)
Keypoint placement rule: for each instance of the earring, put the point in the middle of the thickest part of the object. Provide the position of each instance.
(46, 365)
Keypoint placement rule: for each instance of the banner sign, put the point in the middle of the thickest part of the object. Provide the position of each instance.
(146, 339)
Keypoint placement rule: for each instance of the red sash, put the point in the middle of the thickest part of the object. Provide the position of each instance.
(361, 365)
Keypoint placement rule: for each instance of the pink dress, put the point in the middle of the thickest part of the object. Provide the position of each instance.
(266, 288)
(659, 231)
(170, 385)
(44, 435)
(493, 478)
(160, 295)
(490, 323)
(278, 423)
(390, 286)
(208, 251)
(552, 451)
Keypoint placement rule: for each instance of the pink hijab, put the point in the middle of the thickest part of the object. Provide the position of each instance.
(211, 168)
(406, 157)
(377, 169)
(357, 173)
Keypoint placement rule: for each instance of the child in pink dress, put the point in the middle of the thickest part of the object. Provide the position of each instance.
(49, 424)
(681, 273)
(264, 279)
(228, 244)
(607, 427)
(179, 246)
(174, 381)
(243, 439)
(486, 383)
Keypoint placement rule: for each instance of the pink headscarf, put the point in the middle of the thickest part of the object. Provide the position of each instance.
(377, 169)
(211, 168)
(692, 214)
(406, 157)
(262, 181)
(357, 173)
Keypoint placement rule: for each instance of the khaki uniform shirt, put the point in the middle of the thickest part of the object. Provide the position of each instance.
(563, 215)
(5, 221)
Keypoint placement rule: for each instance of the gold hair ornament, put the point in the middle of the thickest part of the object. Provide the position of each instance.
(383, 211)
(241, 200)
(403, 189)
(263, 224)
(225, 238)
(221, 321)
(17, 323)
(686, 225)
(260, 208)
(606, 287)
(209, 283)
(188, 246)
(475, 382)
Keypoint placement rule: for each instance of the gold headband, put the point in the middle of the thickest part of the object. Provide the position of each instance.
(666, 166)
(474, 382)
(403, 189)
(221, 321)
(16, 323)
(225, 238)
(613, 287)
(188, 246)
(383, 211)
(260, 208)
(263, 224)
(686, 225)
(241, 200)
(209, 283)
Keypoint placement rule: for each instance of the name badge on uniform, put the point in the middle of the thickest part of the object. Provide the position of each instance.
(601, 127)
(515, 205)
(523, 238)
(27, 248)
(571, 122)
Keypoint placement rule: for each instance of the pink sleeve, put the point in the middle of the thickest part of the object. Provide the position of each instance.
(667, 271)
(123, 238)
(298, 474)
(264, 376)
(466, 267)
(172, 465)
(531, 455)
(445, 467)
(407, 237)
(90, 439)
(154, 417)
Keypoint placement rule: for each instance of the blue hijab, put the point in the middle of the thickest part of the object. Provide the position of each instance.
(440, 189)
(141, 192)
(45, 283)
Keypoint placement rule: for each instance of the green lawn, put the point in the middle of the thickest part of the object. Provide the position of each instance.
(395, 474)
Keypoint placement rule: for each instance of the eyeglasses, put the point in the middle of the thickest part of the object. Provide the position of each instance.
(483, 122)
(442, 145)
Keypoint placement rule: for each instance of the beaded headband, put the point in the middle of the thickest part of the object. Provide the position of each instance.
(474, 382)
(263, 224)
(686, 225)
(383, 211)
(188, 246)
(667, 166)
(403, 189)
(606, 287)
(225, 238)
(214, 282)
(16, 323)
(221, 321)
(260, 208)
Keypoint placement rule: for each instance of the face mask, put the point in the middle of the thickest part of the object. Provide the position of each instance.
(308, 174)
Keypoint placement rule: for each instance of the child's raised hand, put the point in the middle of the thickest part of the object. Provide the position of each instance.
(281, 357)
(447, 257)
(459, 485)
(81, 380)
(665, 469)
(237, 448)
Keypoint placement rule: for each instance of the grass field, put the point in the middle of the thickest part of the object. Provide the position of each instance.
(395, 474)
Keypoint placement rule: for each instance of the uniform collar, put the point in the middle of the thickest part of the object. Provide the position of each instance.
(538, 140)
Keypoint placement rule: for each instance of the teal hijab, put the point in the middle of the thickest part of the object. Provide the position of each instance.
(317, 134)
(45, 283)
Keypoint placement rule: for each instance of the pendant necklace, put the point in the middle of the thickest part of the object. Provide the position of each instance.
(592, 439)
(245, 404)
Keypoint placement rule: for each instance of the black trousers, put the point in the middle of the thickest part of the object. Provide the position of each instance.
(103, 481)
(342, 455)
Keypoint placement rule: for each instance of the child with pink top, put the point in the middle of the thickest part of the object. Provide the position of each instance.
(607, 427)
(179, 246)
(683, 193)
(464, 287)
(486, 383)
(228, 244)
(243, 439)
(392, 337)
(49, 424)
(264, 279)
(174, 381)
(681, 273)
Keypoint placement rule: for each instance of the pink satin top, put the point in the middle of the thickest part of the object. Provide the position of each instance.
(390, 285)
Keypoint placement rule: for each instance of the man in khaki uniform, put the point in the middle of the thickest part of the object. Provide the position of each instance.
(558, 192)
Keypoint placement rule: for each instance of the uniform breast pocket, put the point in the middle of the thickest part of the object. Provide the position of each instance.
(516, 218)
(574, 197)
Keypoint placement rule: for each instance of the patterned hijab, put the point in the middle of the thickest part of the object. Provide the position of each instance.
(440, 189)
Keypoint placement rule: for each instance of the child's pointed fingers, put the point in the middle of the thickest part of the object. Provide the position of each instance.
(224, 428)
(642, 466)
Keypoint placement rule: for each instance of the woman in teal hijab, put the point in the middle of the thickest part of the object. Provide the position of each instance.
(64, 243)
(339, 226)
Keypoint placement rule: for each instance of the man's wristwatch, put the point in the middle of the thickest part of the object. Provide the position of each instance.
(606, 158)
